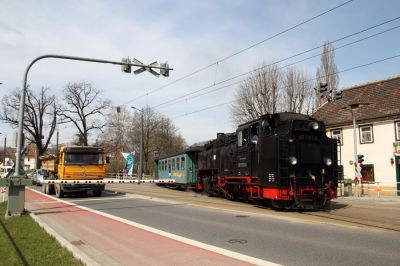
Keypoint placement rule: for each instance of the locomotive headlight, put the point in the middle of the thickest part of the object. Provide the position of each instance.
(292, 160)
(328, 161)
(314, 125)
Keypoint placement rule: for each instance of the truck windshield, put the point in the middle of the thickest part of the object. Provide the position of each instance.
(83, 158)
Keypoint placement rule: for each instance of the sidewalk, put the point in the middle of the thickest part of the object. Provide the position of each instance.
(101, 239)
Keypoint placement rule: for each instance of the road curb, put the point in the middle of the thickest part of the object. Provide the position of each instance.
(64, 243)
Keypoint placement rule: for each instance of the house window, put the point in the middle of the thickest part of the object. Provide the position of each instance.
(397, 129)
(367, 172)
(337, 134)
(366, 134)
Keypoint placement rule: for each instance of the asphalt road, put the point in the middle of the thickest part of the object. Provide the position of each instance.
(282, 237)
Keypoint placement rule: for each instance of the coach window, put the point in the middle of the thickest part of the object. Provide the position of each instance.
(164, 165)
(243, 137)
(254, 133)
(366, 134)
(169, 165)
(183, 163)
(173, 164)
(177, 164)
(240, 136)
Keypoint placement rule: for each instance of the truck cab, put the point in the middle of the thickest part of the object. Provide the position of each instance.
(75, 163)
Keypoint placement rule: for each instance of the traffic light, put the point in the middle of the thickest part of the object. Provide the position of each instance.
(360, 158)
(323, 87)
(126, 68)
(338, 95)
(118, 109)
(164, 70)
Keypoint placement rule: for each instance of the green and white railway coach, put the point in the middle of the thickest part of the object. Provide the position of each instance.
(180, 166)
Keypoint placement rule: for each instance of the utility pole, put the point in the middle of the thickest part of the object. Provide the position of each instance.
(57, 159)
(4, 149)
(141, 143)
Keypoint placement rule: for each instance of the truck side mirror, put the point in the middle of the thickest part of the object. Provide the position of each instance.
(107, 159)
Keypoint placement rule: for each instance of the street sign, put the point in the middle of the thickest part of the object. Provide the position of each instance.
(145, 68)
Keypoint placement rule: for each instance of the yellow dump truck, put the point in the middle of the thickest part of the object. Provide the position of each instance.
(74, 163)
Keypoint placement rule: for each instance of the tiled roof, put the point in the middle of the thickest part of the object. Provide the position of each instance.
(379, 100)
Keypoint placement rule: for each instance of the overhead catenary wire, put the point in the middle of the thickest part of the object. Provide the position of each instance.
(313, 79)
(240, 51)
(182, 97)
(179, 99)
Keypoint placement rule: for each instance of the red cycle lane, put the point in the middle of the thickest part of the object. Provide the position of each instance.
(107, 241)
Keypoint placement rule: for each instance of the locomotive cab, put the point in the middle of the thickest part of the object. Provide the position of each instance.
(282, 158)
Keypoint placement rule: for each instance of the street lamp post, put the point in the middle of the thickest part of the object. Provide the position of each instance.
(353, 107)
(141, 143)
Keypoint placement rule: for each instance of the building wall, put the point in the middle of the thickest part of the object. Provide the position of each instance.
(29, 163)
(377, 153)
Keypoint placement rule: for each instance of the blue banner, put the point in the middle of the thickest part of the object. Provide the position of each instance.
(130, 159)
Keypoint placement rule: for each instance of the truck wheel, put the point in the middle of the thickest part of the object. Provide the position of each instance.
(50, 189)
(97, 193)
(59, 192)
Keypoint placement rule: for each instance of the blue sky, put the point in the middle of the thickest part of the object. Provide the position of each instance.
(189, 35)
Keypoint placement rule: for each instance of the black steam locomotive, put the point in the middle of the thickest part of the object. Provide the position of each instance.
(285, 159)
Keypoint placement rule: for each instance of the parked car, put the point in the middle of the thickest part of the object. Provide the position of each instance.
(38, 176)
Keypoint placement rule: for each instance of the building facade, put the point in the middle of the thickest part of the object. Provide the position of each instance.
(376, 109)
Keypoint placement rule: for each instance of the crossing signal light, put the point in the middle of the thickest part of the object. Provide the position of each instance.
(126, 68)
(338, 95)
(164, 70)
(323, 87)
(360, 158)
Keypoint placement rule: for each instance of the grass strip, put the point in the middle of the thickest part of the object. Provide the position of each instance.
(24, 242)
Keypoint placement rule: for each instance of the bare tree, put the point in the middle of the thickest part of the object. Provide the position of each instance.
(40, 117)
(327, 72)
(297, 92)
(84, 108)
(268, 89)
(160, 134)
(258, 94)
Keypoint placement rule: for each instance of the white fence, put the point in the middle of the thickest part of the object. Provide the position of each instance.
(368, 188)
